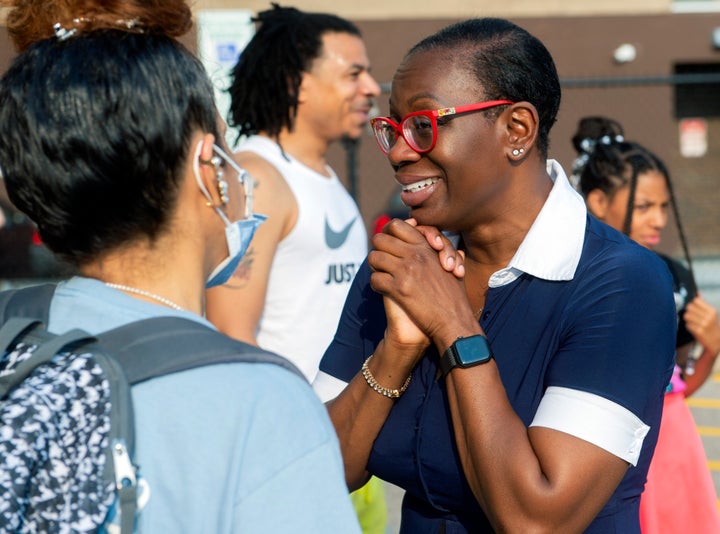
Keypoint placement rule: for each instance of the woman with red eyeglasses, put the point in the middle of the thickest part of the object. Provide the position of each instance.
(524, 395)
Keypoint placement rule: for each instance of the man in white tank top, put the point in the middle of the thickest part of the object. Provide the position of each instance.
(315, 254)
(302, 83)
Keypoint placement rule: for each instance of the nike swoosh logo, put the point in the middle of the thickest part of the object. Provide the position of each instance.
(335, 239)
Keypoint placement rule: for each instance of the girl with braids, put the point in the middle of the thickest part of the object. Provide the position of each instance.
(629, 188)
(111, 142)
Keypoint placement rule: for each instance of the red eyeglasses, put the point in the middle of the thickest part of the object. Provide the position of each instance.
(419, 129)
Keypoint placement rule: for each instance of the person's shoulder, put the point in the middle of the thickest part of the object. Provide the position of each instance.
(258, 166)
(272, 192)
(607, 249)
(284, 405)
(674, 265)
(596, 229)
(603, 239)
(262, 395)
(258, 375)
(274, 388)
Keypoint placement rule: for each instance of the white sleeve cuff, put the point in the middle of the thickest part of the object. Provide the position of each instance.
(327, 387)
(594, 419)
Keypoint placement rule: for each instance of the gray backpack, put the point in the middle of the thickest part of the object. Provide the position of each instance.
(66, 418)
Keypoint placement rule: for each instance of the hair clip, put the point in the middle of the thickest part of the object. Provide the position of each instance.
(61, 33)
(127, 23)
(588, 144)
(606, 139)
(131, 25)
(222, 187)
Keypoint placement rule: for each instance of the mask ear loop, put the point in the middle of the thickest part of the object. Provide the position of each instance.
(196, 168)
(244, 177)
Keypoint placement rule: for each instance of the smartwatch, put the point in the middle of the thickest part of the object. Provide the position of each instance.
(466, 352)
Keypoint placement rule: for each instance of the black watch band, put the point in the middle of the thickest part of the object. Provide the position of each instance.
(466, 352)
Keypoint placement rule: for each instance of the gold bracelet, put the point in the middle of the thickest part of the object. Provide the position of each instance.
(370, 379)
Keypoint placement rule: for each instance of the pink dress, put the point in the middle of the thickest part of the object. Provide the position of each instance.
(679, 495)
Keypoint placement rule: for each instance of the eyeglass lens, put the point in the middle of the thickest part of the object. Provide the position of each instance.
(418, 131)
(384, 133)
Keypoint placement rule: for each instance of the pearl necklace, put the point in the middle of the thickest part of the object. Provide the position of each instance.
(144, 293)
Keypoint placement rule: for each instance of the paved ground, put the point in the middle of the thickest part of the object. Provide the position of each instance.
(705, 404)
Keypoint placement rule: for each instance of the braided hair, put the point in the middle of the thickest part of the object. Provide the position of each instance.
(265, 82)
(606, 161)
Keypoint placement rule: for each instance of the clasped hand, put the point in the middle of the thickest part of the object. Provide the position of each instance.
(420, 274)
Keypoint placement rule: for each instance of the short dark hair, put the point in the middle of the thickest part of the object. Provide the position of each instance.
(265, 82)
(94, 134)
(509, 63)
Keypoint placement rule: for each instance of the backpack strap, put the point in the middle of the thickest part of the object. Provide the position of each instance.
(22, 312)
(31, 301)
(150, 347)
(163, 345)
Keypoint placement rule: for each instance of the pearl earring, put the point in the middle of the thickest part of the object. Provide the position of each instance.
(222, 185)
(517, 151)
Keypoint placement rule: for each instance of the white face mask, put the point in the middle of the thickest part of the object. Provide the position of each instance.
(238, 234)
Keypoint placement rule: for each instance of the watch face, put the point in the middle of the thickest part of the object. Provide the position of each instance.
(472, 350)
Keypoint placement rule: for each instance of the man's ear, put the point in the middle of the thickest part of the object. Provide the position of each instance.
(522, 125)
(597, 203)
(304, 87)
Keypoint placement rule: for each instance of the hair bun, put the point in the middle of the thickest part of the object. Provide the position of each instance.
(29, 21)
(592, 131)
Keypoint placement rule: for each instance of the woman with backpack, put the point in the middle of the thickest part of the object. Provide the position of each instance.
(112, 145)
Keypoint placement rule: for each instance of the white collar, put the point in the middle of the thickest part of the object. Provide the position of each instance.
(552, 247)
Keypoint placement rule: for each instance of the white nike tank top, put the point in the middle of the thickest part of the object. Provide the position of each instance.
(313, 266)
